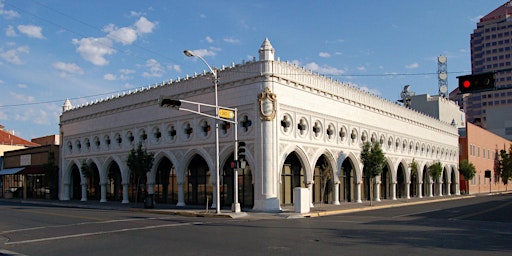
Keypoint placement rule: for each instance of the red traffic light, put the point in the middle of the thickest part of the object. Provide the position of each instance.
(477, 82)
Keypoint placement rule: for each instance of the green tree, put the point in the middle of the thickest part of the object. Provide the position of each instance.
(435, 170)
(467, 170)
(505, 166)
(86, 170)
(51, 175)
(373, 162)
(140, 163)
(326, 176)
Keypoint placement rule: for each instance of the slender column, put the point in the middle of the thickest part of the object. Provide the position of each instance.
(103, 192)
(181, 194)
(440, 188)
(84, 192)
(448, 185)
(65, 194)
(393, 190)
(336, 191)
(358, 192)
(430, 192)
(125, 193)
(420, 189)
(377, 191)
(310, 188)
(150, 188)
(407, 190)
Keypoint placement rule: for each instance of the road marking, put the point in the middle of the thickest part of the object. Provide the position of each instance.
(63, 215)
(415, 213)
(76, 224)
(101, 233)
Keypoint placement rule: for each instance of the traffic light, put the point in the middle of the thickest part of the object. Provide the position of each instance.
(241, 150)
(169, 103)
(477, 82)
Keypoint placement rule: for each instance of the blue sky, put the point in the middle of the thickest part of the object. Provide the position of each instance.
(52, 50)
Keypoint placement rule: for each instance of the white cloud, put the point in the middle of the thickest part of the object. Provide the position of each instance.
(325, 69)
(175, 67)
(31, 31)
(94, 49)
(143, 25)
(124, 74)
(13, 56)
(155, 69)
(22, 86)
(110, 77)
(209, 39)
(67, 68)
(124, 35)
(413, 65)
(324, 54)
(231, 40)
(205, 52)
(8, 14)
(10, 32)
(361, 68)
(135, 14)
(22, 98)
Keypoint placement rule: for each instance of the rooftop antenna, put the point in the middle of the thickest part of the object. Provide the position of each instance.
(442, 75)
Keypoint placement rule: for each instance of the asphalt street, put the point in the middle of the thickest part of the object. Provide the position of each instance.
(479, 225)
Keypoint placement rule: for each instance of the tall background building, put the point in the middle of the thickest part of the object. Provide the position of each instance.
(491, 51)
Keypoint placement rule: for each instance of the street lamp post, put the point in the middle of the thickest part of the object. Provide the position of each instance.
(217, 169)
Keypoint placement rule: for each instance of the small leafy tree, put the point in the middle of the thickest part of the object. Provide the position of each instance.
(140, 163)
(435, 170)
(414, 170)
(51, 175)
(373, 162)
(326, 175)
(467, 170)
(86, 170)
(505, 166)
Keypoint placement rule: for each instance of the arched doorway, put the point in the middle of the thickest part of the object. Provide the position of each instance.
(292, 176)
(245, 186)
(427, 186)
(385, 183)
(445, 185)
(166, 186)
(93, 183)
(400, 181)
(453, 185)
(348, 181)
(322, 186)
(114, 187)
(199, 187)
(76, 187)
(413, 188)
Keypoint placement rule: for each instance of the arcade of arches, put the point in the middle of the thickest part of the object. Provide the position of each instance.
(195, 186)
(348, 184)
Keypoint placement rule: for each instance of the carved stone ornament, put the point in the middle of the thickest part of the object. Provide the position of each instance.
(268, 105)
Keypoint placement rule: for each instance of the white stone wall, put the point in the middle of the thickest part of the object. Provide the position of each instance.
(301, 95)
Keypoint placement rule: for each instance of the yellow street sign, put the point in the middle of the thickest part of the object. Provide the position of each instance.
(225, 113)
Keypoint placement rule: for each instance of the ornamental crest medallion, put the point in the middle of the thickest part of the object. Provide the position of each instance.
(268, 105)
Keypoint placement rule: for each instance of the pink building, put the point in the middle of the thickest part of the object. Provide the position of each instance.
(480, 147)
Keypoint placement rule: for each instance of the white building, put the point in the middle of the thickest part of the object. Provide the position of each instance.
(440, 108)
(301, 129)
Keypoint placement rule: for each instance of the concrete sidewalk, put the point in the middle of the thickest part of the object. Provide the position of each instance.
(287, 212)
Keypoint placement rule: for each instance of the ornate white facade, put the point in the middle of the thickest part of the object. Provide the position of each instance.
(293, 121)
